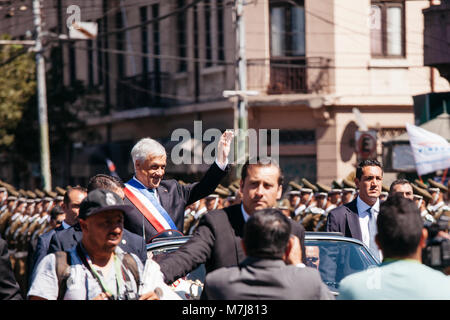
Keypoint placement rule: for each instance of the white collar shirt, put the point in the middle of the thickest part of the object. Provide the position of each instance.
(244, 213)
(364, 218)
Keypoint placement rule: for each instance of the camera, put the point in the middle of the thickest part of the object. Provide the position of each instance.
(437, 252)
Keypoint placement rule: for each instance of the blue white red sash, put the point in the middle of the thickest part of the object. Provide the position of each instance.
(148, 205)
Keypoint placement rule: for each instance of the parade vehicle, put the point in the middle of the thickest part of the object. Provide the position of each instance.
(334, 255)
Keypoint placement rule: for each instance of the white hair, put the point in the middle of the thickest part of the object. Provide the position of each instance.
(145, 148)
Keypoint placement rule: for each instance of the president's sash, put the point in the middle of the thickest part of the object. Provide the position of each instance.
(147, 204)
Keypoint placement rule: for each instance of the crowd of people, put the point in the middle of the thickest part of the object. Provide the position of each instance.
(252, 231)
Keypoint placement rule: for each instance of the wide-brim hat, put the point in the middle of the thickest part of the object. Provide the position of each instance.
(420, 184)
(336, 185)
(309, 185)
(436, 184)
(323, 188)
(349, 184)
(295, 185)
(421, 192)
(100, 200)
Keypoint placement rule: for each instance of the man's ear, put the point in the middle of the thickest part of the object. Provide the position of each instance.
(423, 238)
(243, 246)
(289, 246)
(83, 224)
(356, 181)
(279, 192)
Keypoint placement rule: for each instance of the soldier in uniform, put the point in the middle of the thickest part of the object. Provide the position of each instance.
(437, 205)
(421, 198)
(293, 197)
(285, 207)
(349, 191)
(383, 195)
(198, 211)
(7, 211)
(16, 220)
(306, 200)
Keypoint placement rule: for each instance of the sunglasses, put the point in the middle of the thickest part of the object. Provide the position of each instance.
(312, 259)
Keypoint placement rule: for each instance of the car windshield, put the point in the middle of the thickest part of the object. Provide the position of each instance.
(337, 259)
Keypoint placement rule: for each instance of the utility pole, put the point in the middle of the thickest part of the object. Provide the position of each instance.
(42, 98)
(242, 120)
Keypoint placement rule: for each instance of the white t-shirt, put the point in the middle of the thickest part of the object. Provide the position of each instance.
(81, 284)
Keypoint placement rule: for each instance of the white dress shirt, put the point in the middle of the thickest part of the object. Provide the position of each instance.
(364, 218)
(244, 213)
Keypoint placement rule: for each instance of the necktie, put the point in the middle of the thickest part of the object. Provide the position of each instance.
(372, 232)
(153, 193)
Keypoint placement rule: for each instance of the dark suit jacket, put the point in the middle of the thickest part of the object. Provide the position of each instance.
(345, 219)
(9, 288)
(66, 239)
(174, 197)
(216, 243)
(267, 279)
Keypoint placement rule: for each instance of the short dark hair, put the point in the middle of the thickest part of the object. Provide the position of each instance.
(366, 163)
(55, 212)
(104, 181)
(266, 234)
(66, 199)
(397, 182)
(259, 162)
(399, 227)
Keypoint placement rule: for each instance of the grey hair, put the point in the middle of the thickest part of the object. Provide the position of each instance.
(146, 147)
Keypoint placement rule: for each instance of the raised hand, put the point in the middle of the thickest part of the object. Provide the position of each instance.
(224, 147)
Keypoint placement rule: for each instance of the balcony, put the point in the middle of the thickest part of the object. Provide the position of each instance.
(288, 75)
(436, 37)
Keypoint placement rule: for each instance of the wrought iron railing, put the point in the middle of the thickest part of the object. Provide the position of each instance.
(288, 75)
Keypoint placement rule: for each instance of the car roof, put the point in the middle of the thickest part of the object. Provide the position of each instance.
(309, 235)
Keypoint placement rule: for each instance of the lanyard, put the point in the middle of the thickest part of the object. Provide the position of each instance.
(117, 268)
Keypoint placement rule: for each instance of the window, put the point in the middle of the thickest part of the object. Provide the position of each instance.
(100, 53)
(214, 32)
(182, 36)
(208, 43)
(387, 28)
(287, 23)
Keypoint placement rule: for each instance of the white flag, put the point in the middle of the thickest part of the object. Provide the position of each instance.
(431, 151)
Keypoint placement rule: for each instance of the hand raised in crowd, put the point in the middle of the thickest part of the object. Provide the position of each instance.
(224, 146)
(293, 254)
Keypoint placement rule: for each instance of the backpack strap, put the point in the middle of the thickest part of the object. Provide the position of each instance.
(62, 260)
(130, 264)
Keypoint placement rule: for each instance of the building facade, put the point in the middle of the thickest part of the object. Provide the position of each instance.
(157, 66)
